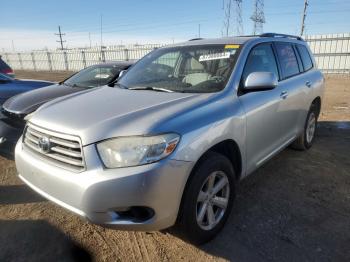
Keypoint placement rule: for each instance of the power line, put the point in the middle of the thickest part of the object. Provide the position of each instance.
(60, 36)
(306, 3)
(258, 17)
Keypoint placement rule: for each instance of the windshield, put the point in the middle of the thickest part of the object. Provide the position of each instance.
(94, 76)
(193, 69)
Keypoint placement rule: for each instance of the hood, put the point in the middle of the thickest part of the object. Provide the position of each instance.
(28, 102)
(110, 112)
(34, 81)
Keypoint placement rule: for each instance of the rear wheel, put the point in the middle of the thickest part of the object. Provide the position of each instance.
(208, 198)
(305, 140)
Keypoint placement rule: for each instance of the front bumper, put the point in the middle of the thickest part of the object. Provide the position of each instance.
(98, 194)
(9, 136)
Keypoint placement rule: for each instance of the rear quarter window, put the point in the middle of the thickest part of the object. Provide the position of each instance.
(288, 60)
(305, 57)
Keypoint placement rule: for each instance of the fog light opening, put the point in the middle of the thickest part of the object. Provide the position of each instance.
(136, 214)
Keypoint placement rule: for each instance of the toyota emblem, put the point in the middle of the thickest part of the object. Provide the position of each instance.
(44, 144)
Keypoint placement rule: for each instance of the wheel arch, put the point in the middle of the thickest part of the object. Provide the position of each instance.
(317, 103)
(230, 149)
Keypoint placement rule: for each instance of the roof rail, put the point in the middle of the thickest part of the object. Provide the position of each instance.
(194, 39)
(281, 35)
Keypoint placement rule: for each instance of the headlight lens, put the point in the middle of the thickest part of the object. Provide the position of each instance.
(136, 150)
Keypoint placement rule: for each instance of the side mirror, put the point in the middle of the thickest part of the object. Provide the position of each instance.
(122, 73)
(260, 81)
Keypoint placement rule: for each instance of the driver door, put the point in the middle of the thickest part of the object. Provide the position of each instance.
(264, 135)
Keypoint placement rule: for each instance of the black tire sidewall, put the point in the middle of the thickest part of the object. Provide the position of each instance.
(314, 111)
(212, 162)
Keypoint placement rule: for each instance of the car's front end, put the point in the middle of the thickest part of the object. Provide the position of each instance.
(142, 197)
(11, 129)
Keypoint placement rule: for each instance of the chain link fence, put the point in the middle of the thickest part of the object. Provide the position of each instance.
(331, 53)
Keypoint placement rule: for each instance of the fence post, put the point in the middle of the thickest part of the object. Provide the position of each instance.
(126, 54)
(103, 57)
(84, 58)
(20, 60)
(33, 60)
(49, 60)
(66, 60)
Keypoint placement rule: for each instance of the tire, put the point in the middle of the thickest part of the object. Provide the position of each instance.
(216, 168)
(305, 140)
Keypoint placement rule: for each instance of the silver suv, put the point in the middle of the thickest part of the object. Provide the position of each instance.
(168, 142)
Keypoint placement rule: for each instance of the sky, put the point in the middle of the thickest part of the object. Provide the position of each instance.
(32, 24)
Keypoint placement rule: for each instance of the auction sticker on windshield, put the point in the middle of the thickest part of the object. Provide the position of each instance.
(231, 48)
(214, 56)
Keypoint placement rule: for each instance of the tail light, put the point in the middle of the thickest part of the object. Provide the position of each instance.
(8, 71)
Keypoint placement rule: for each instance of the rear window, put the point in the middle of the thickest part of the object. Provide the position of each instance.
(287, 59)
(305, 57)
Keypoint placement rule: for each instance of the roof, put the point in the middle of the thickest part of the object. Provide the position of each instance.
(240, 40)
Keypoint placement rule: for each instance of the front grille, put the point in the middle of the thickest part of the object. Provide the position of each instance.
(62, 150)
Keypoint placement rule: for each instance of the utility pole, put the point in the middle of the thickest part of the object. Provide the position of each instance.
(101, 40)
(199, 30)
(13, 46)
(90, 39)
(60, 36)
(258, 17)
(227, 7)
(239, 20)
(306, 3)
(227, 10)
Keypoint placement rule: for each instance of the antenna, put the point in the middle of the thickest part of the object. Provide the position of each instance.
(306, 3)
(60, 36)
(258, 17)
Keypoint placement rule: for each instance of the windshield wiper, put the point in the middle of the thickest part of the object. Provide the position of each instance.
(159, 89)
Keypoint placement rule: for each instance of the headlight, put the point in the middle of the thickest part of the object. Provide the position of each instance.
(29, 116)
(136, 150)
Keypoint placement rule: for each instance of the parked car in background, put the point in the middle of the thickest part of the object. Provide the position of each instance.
(6, 69)
(18, 107)
(171, 140)
(10, 87)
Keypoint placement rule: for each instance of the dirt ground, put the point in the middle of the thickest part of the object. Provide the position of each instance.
(294, 208)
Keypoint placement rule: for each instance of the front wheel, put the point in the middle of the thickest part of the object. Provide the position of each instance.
(305, 140)
(208, 199)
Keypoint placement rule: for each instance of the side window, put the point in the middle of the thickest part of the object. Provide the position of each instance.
(288, 60)
(305, 57)
(260, 59)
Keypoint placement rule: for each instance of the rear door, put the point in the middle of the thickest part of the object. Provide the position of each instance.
(294, 91)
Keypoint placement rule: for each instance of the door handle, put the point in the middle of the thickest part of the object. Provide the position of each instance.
(308, 84)
(284, 94)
